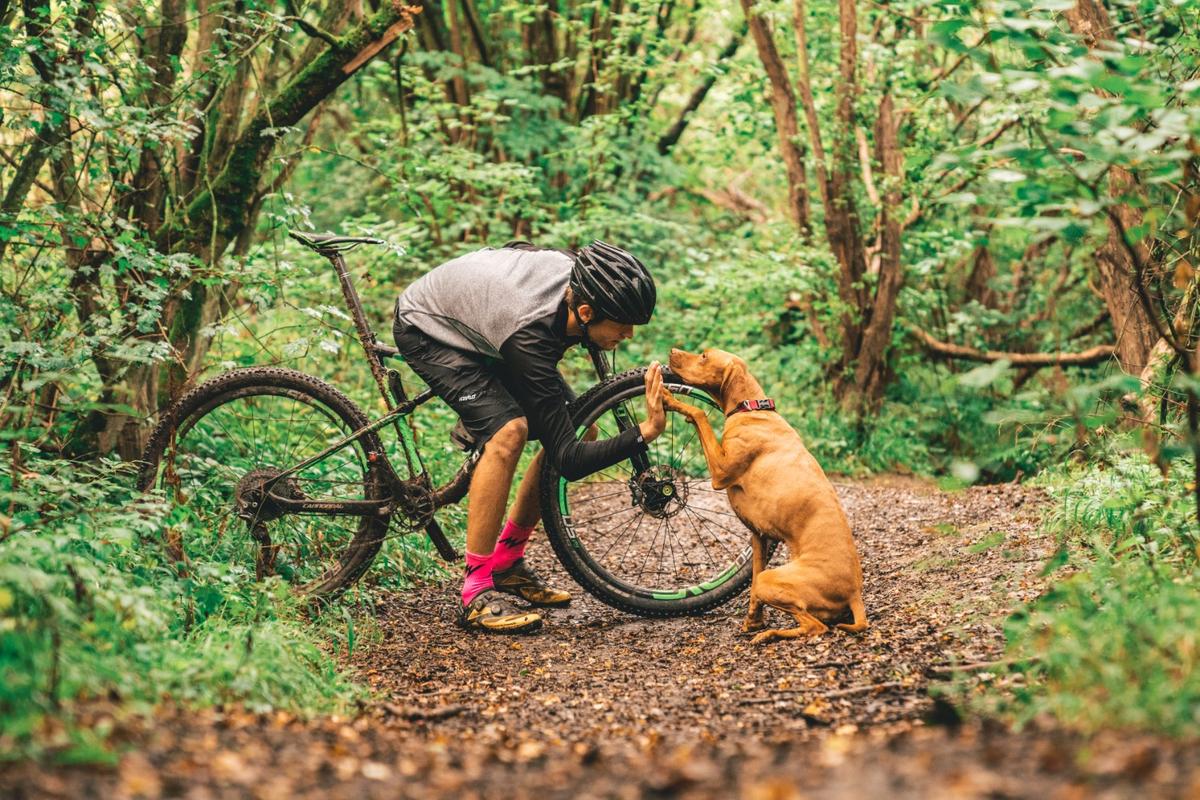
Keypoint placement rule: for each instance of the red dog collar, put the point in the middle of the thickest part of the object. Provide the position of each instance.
(766, 404)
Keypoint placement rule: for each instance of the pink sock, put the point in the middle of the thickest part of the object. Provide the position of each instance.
(511, 545)
(478, 576)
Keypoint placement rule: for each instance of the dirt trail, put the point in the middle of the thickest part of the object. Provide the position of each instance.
(596, 674)
(601, 704)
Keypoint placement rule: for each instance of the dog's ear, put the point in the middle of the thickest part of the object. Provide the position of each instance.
(732, 377)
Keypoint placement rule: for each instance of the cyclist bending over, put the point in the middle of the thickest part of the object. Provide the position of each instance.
(486, 331)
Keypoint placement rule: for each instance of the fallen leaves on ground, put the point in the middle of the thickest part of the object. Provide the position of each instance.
(602, 704)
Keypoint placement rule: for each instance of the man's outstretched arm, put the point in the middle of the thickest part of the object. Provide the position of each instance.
(531, 358)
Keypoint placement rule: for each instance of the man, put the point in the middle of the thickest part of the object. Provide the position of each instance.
(486, 332)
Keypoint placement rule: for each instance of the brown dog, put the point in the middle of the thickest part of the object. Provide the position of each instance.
(779, 491)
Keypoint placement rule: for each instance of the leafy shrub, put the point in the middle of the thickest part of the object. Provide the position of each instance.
(91, 606)
(1116, 643)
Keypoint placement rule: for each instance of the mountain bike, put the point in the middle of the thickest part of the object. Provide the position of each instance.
(285, 472)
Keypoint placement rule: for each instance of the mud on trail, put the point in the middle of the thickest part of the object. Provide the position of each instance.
(603, 704)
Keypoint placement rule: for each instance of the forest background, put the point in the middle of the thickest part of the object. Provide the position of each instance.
(952, 239)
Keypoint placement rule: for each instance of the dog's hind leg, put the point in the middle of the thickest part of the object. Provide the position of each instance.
(778, 588)
(806, 625)
(859, 610)
(754, 615)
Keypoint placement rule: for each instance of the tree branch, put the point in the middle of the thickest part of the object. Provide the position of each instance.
(1089, 357)
(783, 104)
(668, 139)
(315, 32)
(804, 82)
(918, 207)
(869, 371)
(223, 207)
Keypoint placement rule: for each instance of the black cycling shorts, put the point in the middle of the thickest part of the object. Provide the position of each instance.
(475, 386)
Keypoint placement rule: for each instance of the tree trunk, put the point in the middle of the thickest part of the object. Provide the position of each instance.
(841, 212)
(220, 213)
(1136, 336)
(978, 285)
(783, 104)
(49, 136)
(671, 137)
(870, 375)
(842, 229)
(461, 95)
(161, 54)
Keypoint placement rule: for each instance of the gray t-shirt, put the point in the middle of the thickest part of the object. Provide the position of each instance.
(475, 302)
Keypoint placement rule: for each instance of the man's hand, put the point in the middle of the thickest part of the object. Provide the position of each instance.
(656, 416)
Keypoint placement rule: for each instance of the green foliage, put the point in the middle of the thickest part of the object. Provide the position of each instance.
(92, 607)
(1117, 647)
(1114, 642)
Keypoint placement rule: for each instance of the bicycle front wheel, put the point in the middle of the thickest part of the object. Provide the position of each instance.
(218, 455)
(656, 539)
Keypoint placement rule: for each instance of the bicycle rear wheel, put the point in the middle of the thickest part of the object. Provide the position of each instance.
(216, 452)
(658, 542)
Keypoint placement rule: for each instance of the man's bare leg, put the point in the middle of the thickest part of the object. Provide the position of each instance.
(527, 507)
(485, 508)
(491, 483)
(510, 572)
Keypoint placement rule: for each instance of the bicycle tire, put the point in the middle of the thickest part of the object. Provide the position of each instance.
(583, 566)
(211, 395)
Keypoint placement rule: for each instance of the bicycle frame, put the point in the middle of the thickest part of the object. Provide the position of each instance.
(399, 406)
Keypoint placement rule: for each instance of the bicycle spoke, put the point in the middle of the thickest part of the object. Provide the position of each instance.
(593, 498)
(703, 539)
(646, 551)
(629, 542)
(611, 513)
(616, 539)
(671, 544)
(237, 443)
(691, 436)
(289, 428)
(719, 525)
(646, 561)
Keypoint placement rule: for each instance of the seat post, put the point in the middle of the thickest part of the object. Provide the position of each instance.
(365, 335)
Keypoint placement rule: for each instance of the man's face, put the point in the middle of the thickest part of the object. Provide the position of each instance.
(608, 334)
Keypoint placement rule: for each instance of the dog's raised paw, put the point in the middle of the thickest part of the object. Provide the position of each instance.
(672, 403)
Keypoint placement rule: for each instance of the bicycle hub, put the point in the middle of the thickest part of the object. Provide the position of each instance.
(660, 490)
(252, 501)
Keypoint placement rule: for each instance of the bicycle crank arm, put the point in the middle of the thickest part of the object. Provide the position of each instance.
(444, 548)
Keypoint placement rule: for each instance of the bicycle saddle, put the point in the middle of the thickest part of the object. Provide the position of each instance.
(331, 242)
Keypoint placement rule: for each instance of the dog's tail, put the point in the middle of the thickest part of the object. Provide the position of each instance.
(859, 610)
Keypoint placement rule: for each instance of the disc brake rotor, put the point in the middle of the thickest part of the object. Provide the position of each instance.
(660, 490)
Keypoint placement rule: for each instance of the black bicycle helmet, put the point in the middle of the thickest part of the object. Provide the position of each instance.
(614, 283)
